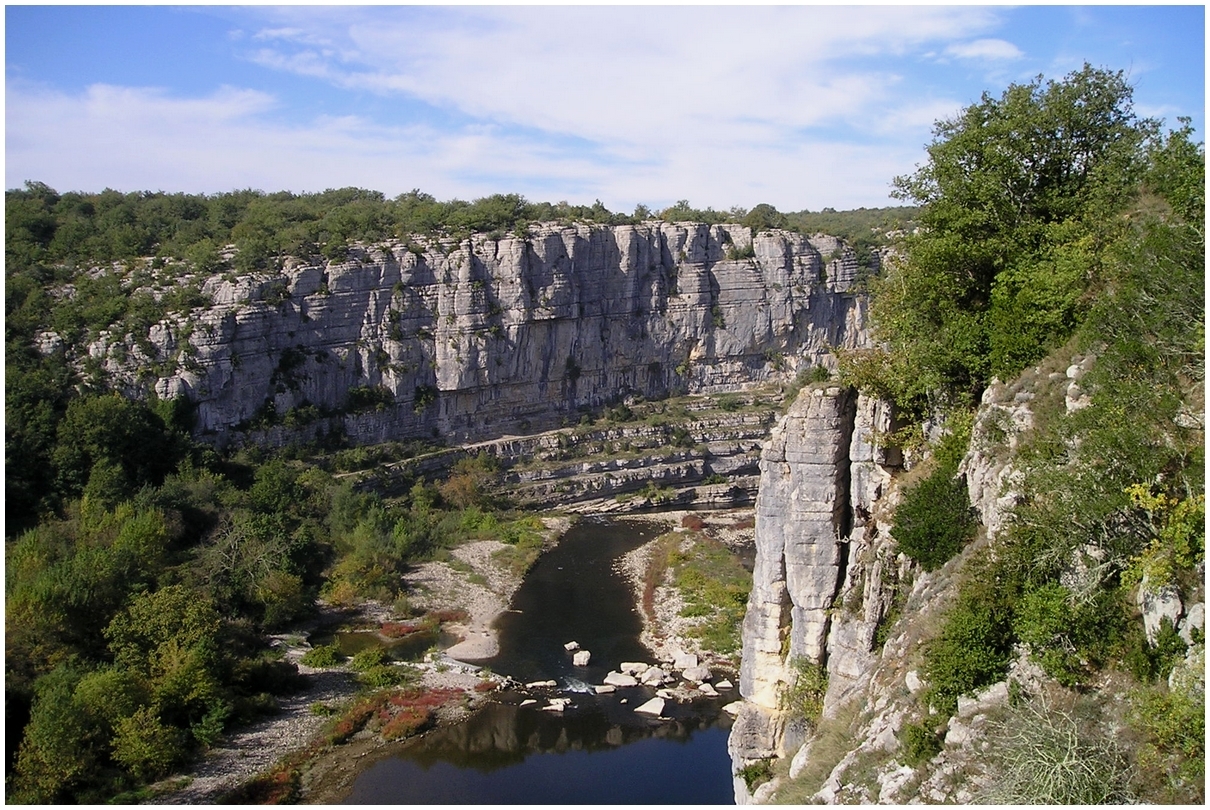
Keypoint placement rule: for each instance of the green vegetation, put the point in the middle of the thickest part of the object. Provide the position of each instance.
(919, 744)
(934, 520)
(1058, 228)
(134, 613)
(804, 697)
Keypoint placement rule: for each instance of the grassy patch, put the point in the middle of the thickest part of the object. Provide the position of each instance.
(833, 739)
(714, 587)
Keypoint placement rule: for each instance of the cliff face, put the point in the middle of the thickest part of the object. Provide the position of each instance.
(488, 336)
(818, 591)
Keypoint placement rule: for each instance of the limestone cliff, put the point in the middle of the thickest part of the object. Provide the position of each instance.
(832, 592)
(487, 336)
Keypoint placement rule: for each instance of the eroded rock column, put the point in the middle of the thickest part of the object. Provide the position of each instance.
(802, 526)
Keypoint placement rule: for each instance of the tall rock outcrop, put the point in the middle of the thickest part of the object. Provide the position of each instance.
(486, 336)
(821, 475)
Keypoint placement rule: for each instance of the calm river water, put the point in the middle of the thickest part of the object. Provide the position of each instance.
(598, 751)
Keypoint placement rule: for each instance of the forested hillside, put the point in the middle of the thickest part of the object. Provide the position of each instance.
(1059, 230)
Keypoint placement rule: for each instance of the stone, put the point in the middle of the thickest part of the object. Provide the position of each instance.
(654, 676)
(1195, 619)
(633, 667)
(620, 679)
(733, 708)
(653, 707)
(410, 318)
(684, 661)
(707, 689)
(697, 674)
(571, 646)
(528, 702)
(1158, 604)
(912, 681)
(605, 689)
(557, 704)
(581, 658)
(724, 684)
(541, 684)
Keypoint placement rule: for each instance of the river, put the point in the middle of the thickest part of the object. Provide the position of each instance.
(597, 751)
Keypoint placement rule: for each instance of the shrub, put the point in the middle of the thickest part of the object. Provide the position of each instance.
(322, 657)
(368, 659)
(973, 648)
(804, 697)
(919, 744)
(934, 520)
(756, 773)
(1044, 757)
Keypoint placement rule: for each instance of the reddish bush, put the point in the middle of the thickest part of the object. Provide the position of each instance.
(693, 523)
(744, 523)
(448, 615)
(485, 686)
(398, 629)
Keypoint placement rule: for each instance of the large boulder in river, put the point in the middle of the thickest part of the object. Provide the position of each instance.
(696, 674)
(633, 667)
(653, 707)
(654, 676)
(581, 658)
(618, 679)
(684, 661)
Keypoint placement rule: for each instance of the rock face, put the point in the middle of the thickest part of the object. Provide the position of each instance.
(483, 337)
(820, 476)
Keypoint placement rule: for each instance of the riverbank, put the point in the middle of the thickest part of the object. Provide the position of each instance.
(476, 579)
(479, 578)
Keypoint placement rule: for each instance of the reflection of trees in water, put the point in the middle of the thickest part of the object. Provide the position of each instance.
(500, 735)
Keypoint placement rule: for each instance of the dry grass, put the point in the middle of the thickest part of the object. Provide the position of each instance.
(833, 738)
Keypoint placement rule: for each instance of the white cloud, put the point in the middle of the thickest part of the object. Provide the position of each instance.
(795, 106)
(985, 49)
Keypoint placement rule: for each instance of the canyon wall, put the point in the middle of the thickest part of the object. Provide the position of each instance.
(485, 336)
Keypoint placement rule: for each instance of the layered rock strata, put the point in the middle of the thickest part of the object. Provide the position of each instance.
(487, 336)
(821, 478)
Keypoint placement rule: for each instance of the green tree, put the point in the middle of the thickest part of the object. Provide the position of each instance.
(1013, 188)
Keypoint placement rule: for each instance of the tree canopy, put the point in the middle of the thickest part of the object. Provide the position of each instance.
(1018, 197)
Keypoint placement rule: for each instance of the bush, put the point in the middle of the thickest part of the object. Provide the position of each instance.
(973, 648)
(322, 657)
(804, 698)
(1044, 757)
(369, 658)
(919, 744)
(934, 520)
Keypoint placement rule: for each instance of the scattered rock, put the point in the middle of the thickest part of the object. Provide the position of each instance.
(912, 681)
(571, 646)
(557, 705)
(606, 689)
(696, 674)
(618, 679)
(633, 667)
(654, 676)
(733, 708)
(541, 685)
(654, 707)
(724, 684)
(684, 661)
(528, 702)
(707, 689)
(581, 658)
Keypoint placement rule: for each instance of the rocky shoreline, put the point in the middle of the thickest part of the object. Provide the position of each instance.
(473, 581)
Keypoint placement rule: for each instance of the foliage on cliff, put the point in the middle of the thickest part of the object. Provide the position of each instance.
(1056, 224)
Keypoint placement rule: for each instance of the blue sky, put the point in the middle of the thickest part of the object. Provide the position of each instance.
(798, 106)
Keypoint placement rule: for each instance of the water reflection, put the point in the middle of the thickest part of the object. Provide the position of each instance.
(507, 754)
(598, 751)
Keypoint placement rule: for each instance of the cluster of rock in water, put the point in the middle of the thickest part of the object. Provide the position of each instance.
(695, 682)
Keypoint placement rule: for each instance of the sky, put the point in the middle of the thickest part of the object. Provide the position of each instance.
(801, 107)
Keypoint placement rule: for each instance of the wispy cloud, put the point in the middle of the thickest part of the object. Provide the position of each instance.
(796, 106)
(985, 49)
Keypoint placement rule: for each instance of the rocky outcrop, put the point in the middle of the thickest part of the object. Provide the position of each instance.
(487, 336)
